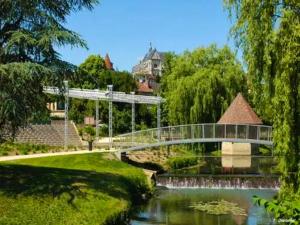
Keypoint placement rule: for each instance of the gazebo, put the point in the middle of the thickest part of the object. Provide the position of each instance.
(239, 112)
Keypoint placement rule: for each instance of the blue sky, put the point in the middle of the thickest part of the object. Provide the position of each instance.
(124, 29)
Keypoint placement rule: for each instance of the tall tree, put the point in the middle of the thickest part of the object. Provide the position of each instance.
(29, 32)
(200, 85)
(93, 74)
(268, 31)
(17, 103)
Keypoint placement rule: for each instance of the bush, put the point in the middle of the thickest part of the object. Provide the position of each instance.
(181, 162)
(284, 210)
(265, 150)
(8, 148)
(216, 153)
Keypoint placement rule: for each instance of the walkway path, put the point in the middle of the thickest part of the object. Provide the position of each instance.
(194, 133)
(15, 157)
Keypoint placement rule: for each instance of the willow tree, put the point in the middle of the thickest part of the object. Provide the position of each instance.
(268, 32)
(200, 85)
(30, 31)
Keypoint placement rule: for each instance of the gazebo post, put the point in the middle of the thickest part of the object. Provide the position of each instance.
(97, 120)
(158, 121)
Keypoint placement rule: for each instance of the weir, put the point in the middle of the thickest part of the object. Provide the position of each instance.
(226, 172)
(219, 181)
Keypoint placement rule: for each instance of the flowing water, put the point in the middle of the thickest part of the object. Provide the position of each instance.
(235, 179)
(242, 172)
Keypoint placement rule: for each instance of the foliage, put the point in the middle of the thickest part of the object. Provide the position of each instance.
(74, 189)
(29, 32)
(200, 85)
(146, 116)
(181, 162)
(269, 34)
(216, 153)
(9, 148)
(87, 133)
(221, 207)
(92, 74)
(287, 211)
(265, 150)
(18, 105)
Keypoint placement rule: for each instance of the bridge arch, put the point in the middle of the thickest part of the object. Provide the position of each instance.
(194, 133)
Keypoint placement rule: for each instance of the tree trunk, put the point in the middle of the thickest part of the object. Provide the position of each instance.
(90, 145)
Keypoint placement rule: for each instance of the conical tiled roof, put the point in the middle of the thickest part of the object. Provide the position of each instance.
(240, 112)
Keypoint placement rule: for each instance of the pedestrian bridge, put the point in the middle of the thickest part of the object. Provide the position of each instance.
(194, 133)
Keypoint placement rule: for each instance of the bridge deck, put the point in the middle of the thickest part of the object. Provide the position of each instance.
(195, 133)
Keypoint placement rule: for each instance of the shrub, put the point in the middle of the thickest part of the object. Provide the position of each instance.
(265, 150)
(181, 162)
(23, 148)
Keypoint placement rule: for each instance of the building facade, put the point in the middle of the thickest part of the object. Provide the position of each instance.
(149, 70)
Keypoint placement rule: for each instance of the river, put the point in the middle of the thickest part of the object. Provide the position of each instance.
(172, 207)
(227, 179)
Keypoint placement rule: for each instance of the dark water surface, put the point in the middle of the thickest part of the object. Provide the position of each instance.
(171, 207)
(227, 164)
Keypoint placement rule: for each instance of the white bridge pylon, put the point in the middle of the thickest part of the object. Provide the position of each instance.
(109, 96)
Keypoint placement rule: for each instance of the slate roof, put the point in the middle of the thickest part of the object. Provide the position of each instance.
(153, 53)
(240, 112)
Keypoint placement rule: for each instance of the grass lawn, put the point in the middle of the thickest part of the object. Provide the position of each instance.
(75, 189)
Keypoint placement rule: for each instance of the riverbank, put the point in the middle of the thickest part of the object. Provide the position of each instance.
(72, 189)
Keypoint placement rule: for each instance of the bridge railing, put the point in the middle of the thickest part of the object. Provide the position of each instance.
(208, 132)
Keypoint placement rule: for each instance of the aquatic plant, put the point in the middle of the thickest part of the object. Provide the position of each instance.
(221, 207)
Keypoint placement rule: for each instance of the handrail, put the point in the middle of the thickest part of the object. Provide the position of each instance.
(190, 133)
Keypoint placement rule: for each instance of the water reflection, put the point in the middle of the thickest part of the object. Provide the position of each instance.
(229, 162)
(254, 165)
(172, 207)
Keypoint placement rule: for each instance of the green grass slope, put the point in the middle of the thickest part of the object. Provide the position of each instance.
(70, 190)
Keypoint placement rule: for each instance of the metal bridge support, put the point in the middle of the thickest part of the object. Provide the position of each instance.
(110, 118)
(132, 116)
(66, 84)
(132, 113)
(97, 120)
(158, 121)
